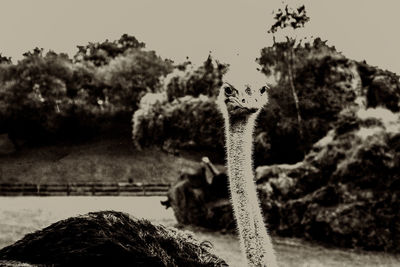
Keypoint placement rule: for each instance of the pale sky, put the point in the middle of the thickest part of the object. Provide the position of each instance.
(361, 29)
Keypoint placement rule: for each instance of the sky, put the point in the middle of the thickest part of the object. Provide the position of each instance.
(176, 29)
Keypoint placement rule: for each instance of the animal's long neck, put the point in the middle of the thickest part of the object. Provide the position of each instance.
(254, 239)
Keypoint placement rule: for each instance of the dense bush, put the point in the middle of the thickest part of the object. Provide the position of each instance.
(100, 54)
(4, 60)
(346, 191)
(188, 80)
(325, 81)
(49, 96)
(185, 113)
(382, 88)
(128, 77)
(34, 93)
(185, 122)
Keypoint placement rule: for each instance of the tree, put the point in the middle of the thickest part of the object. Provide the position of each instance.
(326, 82)
(128, 77)
(188, 80)
(35, 93)
(290, 18)
(102, 53)
(4, 59)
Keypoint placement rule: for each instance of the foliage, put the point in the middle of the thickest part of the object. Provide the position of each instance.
(45, 96)
(272, 58)
(186, 80)
(346, 191)
(382, 87)
(34, 91)
(289, 17)
(326, 82)
(129, 76)
(294, 19)
(4, 59)
(184, 113)
(101, 53)
(185, 122)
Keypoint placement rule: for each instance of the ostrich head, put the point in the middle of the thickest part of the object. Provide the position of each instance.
(238, 100)
(242, 102)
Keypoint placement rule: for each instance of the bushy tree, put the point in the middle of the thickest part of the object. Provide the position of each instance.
(326, 82)
(188, 80)
(4, 59)
(382, 87)
(35, 92)
(48, 94)
(101, 54)
(290, 18)
(128, 77)
(187, 121)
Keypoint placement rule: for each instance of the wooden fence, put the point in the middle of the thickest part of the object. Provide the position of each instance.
(83, 189)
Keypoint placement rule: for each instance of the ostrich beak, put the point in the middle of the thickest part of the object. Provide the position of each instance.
(233, 104)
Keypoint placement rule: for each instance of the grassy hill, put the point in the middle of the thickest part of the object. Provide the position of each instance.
(100, 160)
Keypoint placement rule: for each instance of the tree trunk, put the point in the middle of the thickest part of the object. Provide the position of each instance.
(292, 87)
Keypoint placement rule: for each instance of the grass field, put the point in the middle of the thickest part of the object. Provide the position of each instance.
(21, 215)
(104, 160)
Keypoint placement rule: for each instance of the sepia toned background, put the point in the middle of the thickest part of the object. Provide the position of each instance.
(115, 123)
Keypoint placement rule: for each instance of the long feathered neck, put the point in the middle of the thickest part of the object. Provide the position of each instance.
(254, 239)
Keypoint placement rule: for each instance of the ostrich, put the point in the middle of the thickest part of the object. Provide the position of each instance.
(110, 238)
(240, 107)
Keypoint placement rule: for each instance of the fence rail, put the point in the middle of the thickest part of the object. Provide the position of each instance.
(83, 189)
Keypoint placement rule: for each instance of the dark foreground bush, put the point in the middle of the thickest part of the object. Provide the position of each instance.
(109, 238)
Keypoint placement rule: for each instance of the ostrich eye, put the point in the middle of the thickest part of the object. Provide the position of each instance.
(228, 90)
(263, 89)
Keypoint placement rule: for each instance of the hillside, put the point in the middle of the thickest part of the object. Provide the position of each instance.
(100, 160)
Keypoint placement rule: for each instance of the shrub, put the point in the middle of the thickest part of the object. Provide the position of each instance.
(49, 96)
(35, 92)
(326, 82)
(186, 122)
(129, 76)
(186, 80)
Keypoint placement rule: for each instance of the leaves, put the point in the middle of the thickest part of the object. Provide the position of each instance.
(102, 53)
(186, 80)
(129, 76)
(324, 83)
(288, 17)
(52, 95)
